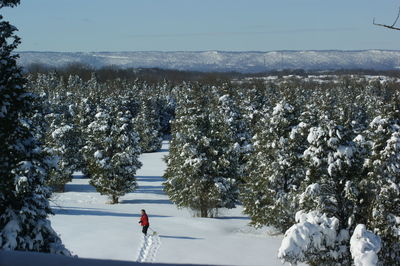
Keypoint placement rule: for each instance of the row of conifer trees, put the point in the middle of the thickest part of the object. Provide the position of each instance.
(98, 128)
(284, 150)
(294, 154)
(281, 149)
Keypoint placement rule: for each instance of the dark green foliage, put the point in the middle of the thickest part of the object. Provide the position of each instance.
(10, 3)
(383, 174)
(24, 205)
(112, 151)
(285, 144)
(147, 125)
(204, 165)
(276, 169)
(189, 183)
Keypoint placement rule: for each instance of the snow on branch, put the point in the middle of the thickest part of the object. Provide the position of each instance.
(312, 238)
(364, 247)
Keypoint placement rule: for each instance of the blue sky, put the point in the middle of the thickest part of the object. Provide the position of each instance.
(197, 25)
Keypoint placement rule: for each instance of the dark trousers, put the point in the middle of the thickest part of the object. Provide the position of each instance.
(144, 229)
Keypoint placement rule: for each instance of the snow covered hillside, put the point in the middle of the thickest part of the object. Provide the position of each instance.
(90, 228)
(246, 62)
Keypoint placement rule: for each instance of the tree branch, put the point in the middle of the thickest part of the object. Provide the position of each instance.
(392, 27)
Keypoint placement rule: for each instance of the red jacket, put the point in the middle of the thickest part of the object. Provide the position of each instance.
(144, 220)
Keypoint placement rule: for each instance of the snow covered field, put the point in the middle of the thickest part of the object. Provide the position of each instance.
(90, 228)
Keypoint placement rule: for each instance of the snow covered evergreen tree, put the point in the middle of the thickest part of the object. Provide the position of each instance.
(331, 190)
(276, 168)
(112, 151)
(383, 187)
(24, 205)
(85, 114)
(187, 183)
(61, 143)
(202, 164)
(234, 129)
(228, 147)
(63, 138)
(166, 104)
(147, 125)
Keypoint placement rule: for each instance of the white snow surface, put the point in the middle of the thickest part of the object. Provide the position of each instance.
(313, 232)
(364, 247)
(148, 250)
(90, 228)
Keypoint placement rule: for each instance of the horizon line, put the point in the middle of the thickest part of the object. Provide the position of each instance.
(216, 50)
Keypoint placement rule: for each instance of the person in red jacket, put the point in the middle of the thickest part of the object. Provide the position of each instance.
(144, 221)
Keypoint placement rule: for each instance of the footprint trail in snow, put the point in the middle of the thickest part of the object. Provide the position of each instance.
(148, 250)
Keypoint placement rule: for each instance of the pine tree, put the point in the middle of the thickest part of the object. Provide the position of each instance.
(228, 144)
(112, 151)
(235, 127)
(383, 185)
(166, 104)
(201, 170)
(85, 113)
(276, 168)
(61, 144)
(331, 190)
(147, 125)
(63, 139)
(24, 205)
(187, 185)
(41, 107)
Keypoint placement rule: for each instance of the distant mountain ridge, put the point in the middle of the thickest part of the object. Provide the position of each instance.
(246, 62)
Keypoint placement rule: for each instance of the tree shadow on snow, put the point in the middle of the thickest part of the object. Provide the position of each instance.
(146, 201)
(79, 188)
(150, 179)
(181, 237)
(151, 190)
(97, 212)
(233, 218)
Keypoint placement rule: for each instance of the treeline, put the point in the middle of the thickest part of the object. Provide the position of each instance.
(320, 163)
(175, 77)
(339, 72)
(152, 76)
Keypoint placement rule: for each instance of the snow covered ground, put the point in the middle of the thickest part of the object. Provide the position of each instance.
(90, 228)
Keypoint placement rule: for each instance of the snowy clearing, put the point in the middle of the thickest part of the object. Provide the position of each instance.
(90, 228)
